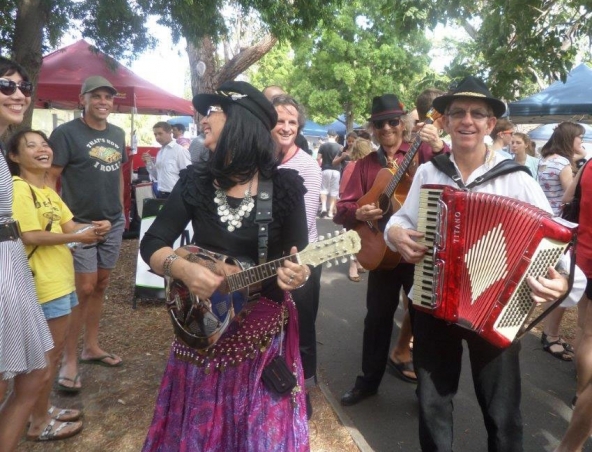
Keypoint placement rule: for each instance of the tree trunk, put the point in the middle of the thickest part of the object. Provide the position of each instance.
(244, 60)
(204, 50)
(31, 20)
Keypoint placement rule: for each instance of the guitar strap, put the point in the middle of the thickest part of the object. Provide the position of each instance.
(444, 164)
(263, 216)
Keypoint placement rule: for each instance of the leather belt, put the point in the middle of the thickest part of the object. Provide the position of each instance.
(9, 231)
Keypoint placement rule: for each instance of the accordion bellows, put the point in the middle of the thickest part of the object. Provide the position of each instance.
(484, 246)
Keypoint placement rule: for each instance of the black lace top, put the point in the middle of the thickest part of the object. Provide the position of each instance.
(193, 200)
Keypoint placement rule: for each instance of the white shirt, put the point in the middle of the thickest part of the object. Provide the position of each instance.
(310, 171)
(518, 185)
(170, 160)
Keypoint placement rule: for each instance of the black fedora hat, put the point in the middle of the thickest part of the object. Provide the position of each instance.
(240, 93)
(471, 87)
(386, 106)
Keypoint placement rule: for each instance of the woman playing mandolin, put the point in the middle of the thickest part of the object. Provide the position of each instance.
(215, 399)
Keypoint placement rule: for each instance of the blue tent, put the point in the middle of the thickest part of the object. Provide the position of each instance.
(544, 132)
(185, 120)
(569, 101)
(312, 129)
(339, 125)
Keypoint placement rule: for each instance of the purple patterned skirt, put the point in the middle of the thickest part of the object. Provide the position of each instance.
(217, 402)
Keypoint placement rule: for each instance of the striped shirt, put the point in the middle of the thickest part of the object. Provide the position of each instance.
(548, 172)
(309, 170)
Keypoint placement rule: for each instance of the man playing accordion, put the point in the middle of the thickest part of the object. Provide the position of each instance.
(470, 114)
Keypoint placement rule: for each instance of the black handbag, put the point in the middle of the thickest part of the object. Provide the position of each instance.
(277, 377)
(570, 211)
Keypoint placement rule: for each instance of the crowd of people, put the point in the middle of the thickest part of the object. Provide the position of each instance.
(240, 378)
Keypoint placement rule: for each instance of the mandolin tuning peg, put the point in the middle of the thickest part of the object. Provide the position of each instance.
(352, 257)
(329, 264)
(343, 231)
(321, 238)
(344, 260)
(336, 262)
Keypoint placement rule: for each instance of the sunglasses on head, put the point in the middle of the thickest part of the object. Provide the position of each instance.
(8, 87)
(379, 124)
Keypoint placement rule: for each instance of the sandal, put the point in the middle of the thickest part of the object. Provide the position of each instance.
(64, 414)
(566, 345)
(563, 355)
(354, 278)
(50, 433)
(69, 389)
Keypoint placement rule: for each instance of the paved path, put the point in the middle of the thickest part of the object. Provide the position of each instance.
(388, 421)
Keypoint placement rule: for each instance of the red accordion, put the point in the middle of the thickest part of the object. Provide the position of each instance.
(484, 247)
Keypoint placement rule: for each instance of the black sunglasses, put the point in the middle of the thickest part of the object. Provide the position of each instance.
(8, 87)
(379, 124)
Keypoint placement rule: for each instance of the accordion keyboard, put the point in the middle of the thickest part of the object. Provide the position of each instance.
(427, 223)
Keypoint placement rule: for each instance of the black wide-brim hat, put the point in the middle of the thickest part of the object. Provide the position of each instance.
(240, 93)
(470, 87)
(387, 106)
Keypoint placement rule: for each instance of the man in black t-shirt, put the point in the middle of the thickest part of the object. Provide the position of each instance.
(331, 174)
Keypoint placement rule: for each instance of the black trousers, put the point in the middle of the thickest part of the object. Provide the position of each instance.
(307, 304)
(382, 299)
(437, 357)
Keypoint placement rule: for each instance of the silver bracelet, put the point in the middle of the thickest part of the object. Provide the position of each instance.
(168, 262)
(303, 282)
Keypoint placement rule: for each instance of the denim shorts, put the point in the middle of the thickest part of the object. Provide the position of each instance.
(105, 254)
(60, 306)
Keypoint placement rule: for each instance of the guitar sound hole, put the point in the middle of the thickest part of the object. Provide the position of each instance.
(384, 203)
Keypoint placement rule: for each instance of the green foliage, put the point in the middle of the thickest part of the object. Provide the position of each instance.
(275, 68)
(340, 68)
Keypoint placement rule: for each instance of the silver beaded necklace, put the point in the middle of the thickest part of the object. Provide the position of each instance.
(232, 216)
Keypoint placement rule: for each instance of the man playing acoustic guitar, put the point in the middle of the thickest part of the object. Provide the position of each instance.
(382, 297)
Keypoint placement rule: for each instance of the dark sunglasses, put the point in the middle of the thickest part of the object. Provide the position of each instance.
(8, 87)
(379, 124)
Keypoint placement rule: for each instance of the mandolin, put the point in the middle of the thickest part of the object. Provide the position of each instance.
(388, 193)
(200, 322)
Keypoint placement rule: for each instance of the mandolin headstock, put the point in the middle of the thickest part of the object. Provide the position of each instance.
(333, 248)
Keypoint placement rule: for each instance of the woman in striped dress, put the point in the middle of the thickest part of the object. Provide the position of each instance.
(555, 175)
(24, 336)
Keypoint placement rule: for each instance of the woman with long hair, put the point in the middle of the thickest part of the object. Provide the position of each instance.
(214, 398)
(47, 227)
(359, 149)
(24, 336)
(555, 175)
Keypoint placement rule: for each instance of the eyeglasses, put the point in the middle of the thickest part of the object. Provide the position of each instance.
(379, 123)
(213, 109)
(477, 115)
(8, 87)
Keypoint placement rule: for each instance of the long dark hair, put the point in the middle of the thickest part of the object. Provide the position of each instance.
(245, 147)
(562, 140)
(12, 148)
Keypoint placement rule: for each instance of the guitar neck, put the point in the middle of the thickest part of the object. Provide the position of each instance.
(392, 186)
(259, 273)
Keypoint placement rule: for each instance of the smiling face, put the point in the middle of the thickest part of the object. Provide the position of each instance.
(34, 154)
(97, 104)
(286, 129)
(468, 121)
(13, 106)
(212, 126)
(389, 136)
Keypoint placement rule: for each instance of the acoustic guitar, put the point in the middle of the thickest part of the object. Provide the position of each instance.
(199, 323)
(388, 193)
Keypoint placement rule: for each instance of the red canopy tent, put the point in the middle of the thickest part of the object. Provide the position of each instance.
(63, 71)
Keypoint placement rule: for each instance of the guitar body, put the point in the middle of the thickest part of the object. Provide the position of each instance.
(375, 254)
(199, 323)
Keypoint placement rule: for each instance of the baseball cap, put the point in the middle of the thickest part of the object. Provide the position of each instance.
(96, 82)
